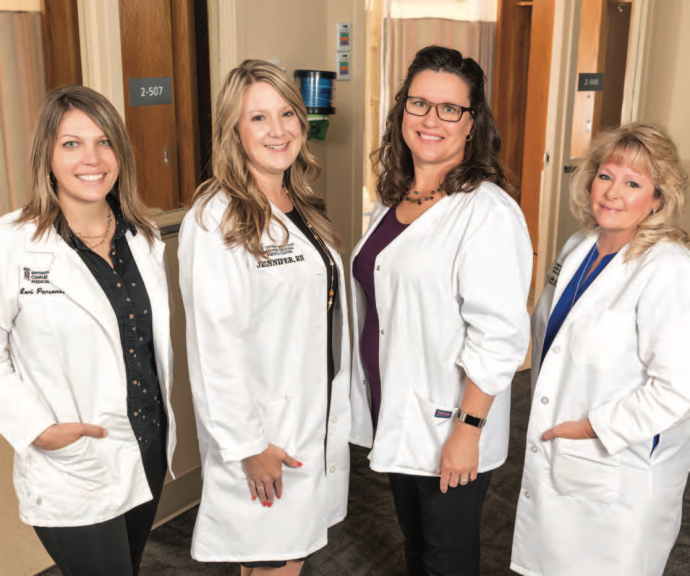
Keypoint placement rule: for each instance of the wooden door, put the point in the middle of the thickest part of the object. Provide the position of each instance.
(521, 90)
(147, 52)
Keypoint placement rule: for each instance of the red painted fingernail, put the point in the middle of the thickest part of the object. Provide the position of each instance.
(263, 504)
(299, 464)
(270, 504)
(279, 497)
(253, 497)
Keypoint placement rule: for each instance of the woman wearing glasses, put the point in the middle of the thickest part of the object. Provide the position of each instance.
(440, 284)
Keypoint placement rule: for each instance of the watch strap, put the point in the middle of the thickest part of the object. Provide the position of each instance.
(471, 420)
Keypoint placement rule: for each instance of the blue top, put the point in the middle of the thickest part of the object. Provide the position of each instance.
(571, 295)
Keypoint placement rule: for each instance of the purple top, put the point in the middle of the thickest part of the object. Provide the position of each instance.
(363, 270)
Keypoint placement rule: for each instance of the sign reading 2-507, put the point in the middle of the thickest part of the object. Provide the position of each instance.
(150, 91)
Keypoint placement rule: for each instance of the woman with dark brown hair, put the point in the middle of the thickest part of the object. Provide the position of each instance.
(85, 353)
(440, 284)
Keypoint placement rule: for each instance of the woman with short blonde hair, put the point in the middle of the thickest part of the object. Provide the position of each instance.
(608, 442)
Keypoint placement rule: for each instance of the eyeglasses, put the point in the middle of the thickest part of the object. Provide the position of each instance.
(446, 112)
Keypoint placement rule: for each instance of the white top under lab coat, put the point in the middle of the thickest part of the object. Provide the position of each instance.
(257, 348)
(622, 359)
(61, 361)
(451, 295)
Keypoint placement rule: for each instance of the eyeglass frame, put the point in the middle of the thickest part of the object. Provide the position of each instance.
(463, 109)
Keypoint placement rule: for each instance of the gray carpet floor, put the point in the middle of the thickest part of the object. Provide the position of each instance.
(368, 542)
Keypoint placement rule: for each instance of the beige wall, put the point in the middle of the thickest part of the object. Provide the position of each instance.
(665, 86)
(301, 34)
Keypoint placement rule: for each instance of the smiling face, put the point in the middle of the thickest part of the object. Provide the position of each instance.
(621, 199)
(269, 129)
(83, 163)
(433, 141)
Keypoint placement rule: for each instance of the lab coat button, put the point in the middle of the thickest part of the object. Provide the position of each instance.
(39, 501)
(334, 419)
(331, 469)
(378, 267)
(528, 495)
(534, 449)
(544, 400)
(556, 349)
(383, 332)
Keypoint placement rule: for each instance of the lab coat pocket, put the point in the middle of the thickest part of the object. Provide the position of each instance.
(583, 470)
(72, 470)
(601, 339)
(427, 427)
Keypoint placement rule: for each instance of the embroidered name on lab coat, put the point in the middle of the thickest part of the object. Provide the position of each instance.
(273, 250)
(442, 413)
(553, 278)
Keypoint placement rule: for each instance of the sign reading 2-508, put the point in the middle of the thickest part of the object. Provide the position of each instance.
(150, 91)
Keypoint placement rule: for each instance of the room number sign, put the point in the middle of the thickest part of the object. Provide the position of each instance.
(590, 82)
(150, 91)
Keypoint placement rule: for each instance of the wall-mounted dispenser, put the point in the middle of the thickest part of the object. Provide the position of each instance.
(318, 91)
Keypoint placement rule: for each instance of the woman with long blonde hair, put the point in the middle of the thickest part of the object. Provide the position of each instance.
(267, 335)
(85, 353)
(608, 443)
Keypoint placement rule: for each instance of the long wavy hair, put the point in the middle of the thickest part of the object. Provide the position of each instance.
(393, 160)
(43, 208)
(648, 150)
(249, 214)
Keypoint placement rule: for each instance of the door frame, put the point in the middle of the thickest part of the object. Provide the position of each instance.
(559, 122)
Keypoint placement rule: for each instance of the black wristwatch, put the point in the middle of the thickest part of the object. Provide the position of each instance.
(471, 420)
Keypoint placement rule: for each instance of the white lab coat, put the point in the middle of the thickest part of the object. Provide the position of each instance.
(608, 505)
(60, 362)
(451, 295)
(256, 340)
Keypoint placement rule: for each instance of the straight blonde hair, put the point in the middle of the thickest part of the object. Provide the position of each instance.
(648, 150)
(249, 212)
(43, 208)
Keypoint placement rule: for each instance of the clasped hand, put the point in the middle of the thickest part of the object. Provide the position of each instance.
(265, 473)
(61, 435)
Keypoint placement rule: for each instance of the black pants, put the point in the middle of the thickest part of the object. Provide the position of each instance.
(114, 547)
(441, 530)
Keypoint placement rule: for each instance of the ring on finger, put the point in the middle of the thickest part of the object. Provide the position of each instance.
(260, 487)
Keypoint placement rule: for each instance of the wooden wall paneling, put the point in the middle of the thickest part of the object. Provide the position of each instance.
(147, 52)
(186, 105)
(615, 40)
(61, 49)
(510, 81)
(372, 92)
(541, 40)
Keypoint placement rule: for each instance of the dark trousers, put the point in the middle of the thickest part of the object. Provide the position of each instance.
(114, 547)
(441, 530)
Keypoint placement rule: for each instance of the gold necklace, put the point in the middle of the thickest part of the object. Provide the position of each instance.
(321, 243)
(109, 220)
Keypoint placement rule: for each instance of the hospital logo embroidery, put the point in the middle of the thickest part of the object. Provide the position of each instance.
(442, 413)
(37, 277)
